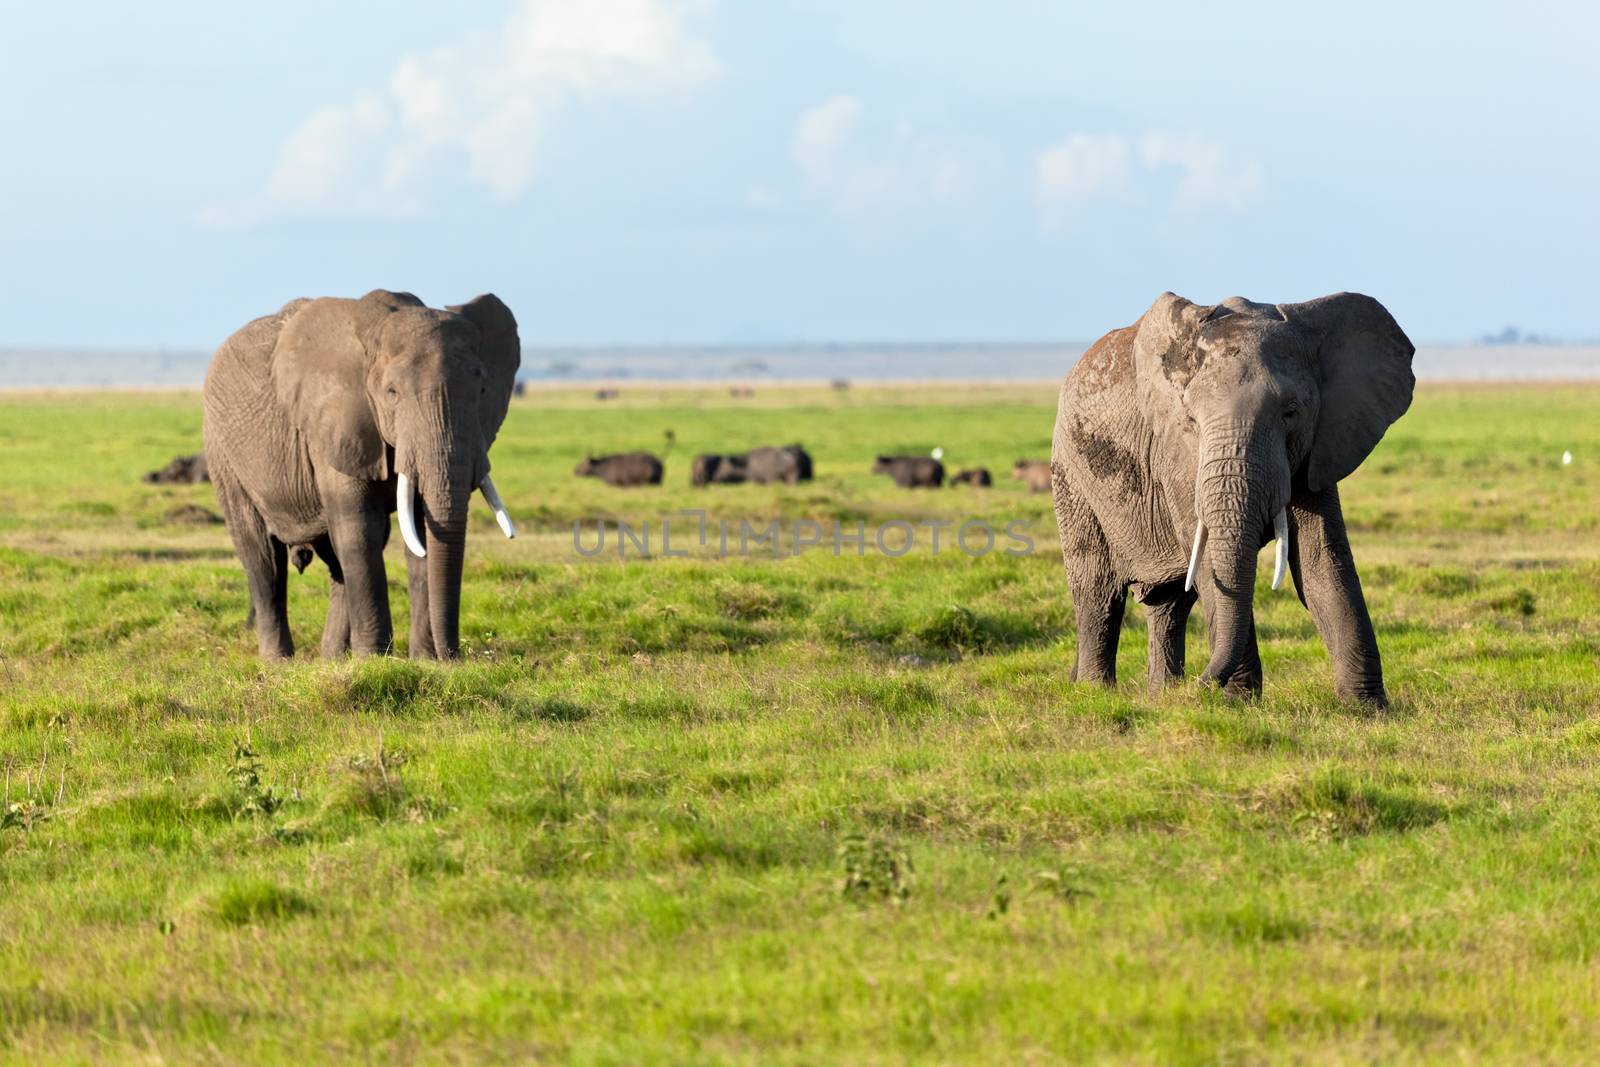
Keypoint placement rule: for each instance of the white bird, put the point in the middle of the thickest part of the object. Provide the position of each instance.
(938, 453)
(1566, 459)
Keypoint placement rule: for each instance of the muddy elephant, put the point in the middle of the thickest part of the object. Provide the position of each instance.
(1187, 441)
(790, 464)
(911, 472)
(708, 469)
(625, 469)
(326, 416)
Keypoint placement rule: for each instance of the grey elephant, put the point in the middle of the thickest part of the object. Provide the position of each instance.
(326, 416)
(1188, 440)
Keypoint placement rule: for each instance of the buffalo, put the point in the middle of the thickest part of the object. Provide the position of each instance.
(623, 469)
(975, 477)
(1036, 472)
(911, 472)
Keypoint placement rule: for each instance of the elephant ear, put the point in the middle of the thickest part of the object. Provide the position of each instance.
(319, 371)
(1165, 356)
(1363, 364)
(501, 352)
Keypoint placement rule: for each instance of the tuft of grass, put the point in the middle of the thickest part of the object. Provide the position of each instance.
(252, 901)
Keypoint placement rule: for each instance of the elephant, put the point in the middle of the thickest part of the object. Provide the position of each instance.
(1035, 472)
(977, 477)
(790, 464)
(329, 414)
(1235, 422)
(727, 470)
(911, 472)
(624, 469)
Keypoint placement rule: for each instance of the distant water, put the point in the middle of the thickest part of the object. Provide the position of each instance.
(929, 362)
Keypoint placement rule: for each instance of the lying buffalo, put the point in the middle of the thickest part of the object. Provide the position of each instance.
(1036, 472)
(183, 470)
(722, 470)
(911, 472)
(975, 477)
(790, 464)
(622, 469)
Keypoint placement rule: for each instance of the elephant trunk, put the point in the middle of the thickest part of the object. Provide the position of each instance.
(447, 488)
(1241, 491)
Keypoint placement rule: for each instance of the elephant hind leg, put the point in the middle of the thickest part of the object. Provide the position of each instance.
(1099, 595)
(266, 568)
(1168, 623)
(336, 631)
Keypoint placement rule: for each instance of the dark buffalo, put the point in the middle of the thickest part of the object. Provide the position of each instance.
(976, 477)
(790, 464)
(911, 472)
(726, 470)
(183, 470)
(1036, 472)
(623, 469)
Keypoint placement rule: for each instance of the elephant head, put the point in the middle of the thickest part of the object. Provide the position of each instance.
(1264, 400)
(385, 386)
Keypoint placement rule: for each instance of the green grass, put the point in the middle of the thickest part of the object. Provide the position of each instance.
(795, 810)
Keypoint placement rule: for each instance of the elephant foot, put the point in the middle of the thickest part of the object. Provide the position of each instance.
(1370, 696)
(1237, 686)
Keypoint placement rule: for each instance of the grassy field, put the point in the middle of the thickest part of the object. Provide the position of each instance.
(795, 810)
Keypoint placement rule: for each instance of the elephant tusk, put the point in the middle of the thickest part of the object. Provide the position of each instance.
(1194, 554)
(1280, 527)
(507, 527)
(405, 499)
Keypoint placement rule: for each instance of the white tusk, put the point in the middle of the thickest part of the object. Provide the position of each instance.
(1194, 554)
(1280, 527)
(404, 499)
(507, 527)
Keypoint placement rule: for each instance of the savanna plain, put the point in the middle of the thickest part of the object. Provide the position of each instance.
(795, 809)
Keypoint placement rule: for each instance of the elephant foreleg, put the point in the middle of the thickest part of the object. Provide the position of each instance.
(358, 527)
(1168, 626)
(1325, 575)
(421, 644)
(1099, 596)
(336, 631)
(266, 569)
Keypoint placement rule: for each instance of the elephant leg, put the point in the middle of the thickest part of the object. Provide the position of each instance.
(358, 526)
(1325, 576)
(336, 632)
(1099, 595)
(421, 644)
(1168, 624)
(266, 568)
(1245, 681)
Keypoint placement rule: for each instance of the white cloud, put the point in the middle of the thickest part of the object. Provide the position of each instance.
(861, 172)
(822, 131)
(1088, 167)
(477, 109)
(1080, 168)
(1207, 176)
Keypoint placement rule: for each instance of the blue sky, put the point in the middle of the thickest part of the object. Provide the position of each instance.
(645, 171)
